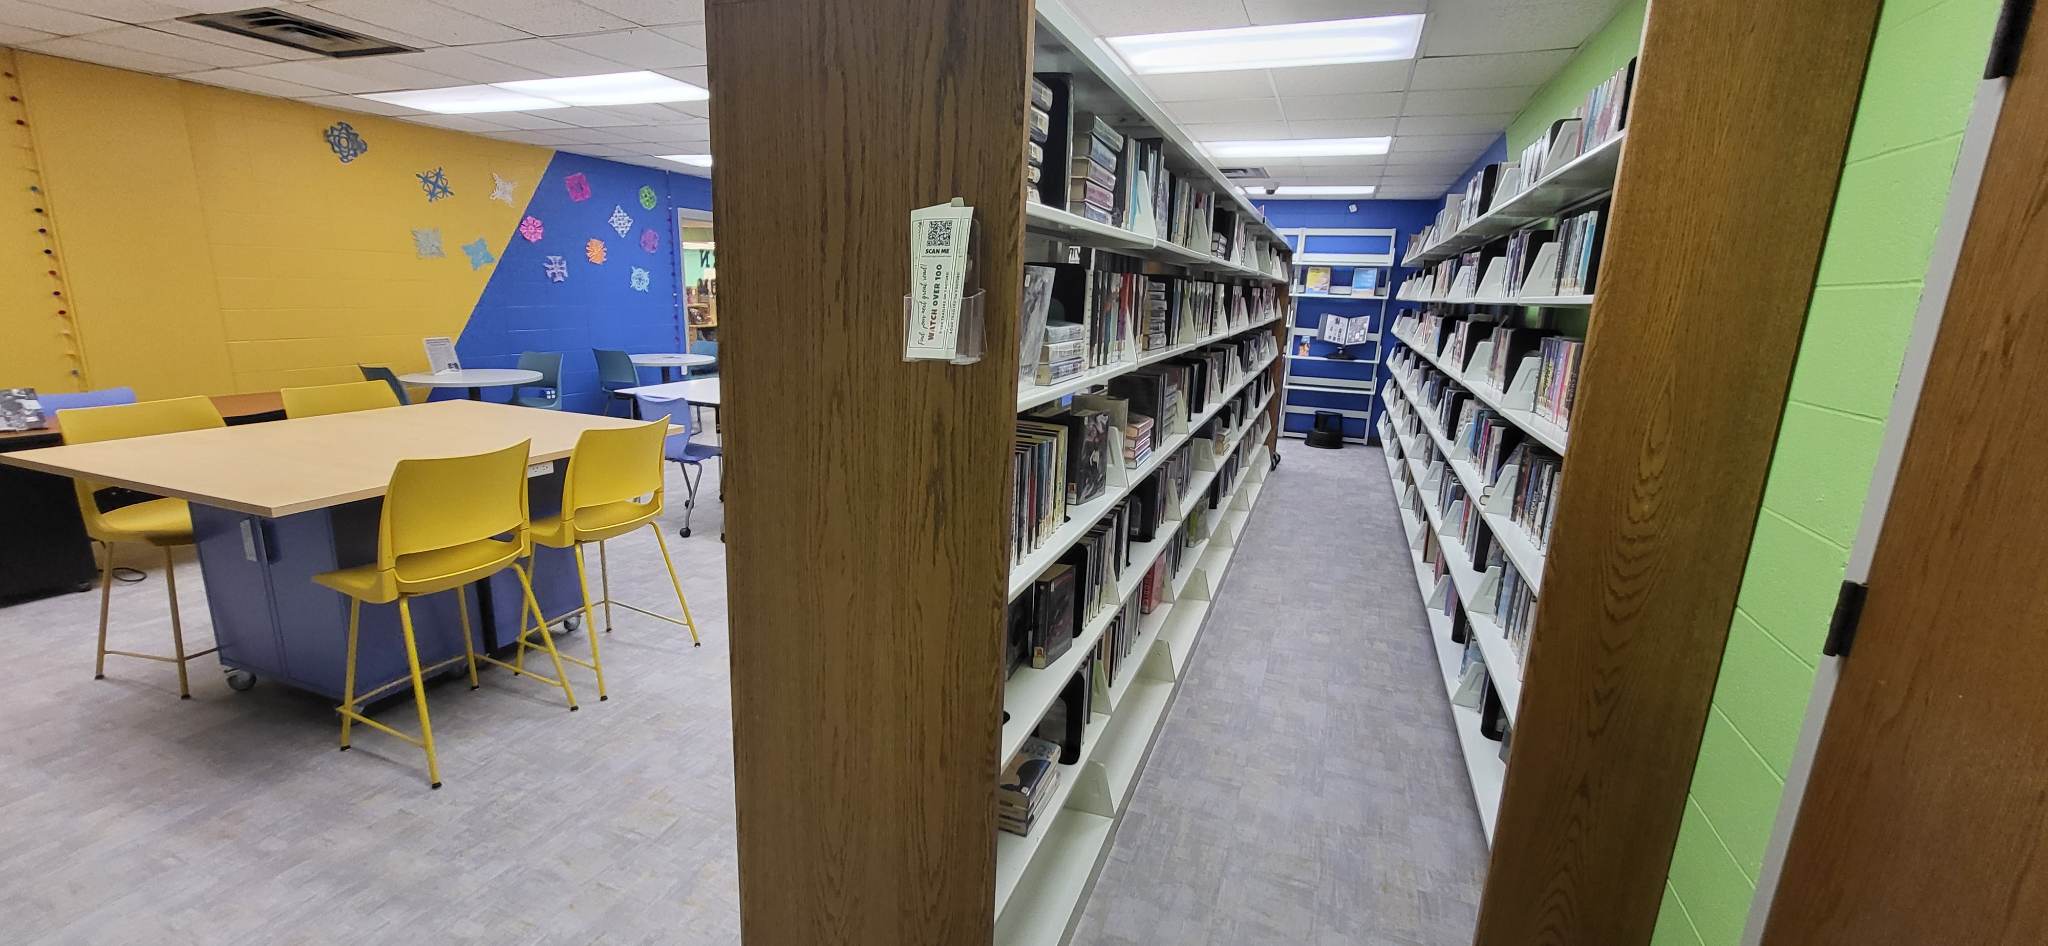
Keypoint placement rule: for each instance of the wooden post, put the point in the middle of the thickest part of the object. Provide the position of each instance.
(1736, 134)
(866, 497)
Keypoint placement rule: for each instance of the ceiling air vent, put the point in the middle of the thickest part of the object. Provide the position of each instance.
(284, 29)
(1245, 174)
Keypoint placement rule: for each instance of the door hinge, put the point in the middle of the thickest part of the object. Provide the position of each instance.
(1848, 615)
(2008, 39)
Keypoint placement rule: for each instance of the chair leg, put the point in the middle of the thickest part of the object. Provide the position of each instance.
(689, 495)
(469, 649)
(547, 639)
(177, 625)
(596, 661)
(665, 560)
(419, 690)
(99, 664)
(604, 580)
(348, 676)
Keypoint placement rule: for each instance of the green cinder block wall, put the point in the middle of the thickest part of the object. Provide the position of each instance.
(1924, 66)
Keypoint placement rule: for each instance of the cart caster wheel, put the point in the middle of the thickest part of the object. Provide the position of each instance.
(685, 533)
(241, 681)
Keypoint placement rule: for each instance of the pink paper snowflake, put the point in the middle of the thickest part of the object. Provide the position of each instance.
(650, 240)
(578, 185)
(594, 251)
(531, 229)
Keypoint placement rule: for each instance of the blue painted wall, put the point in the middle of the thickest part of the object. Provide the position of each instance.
(595, 306)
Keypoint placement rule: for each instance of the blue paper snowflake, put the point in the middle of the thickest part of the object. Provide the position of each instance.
(435, 183)
(479, 254)
(556, 269)
(639, 279)
(347, 145)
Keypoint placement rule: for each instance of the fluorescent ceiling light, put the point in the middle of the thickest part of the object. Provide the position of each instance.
(1297, 148)
(465, 100)
(693, 160)
(1372, 39)
(1310, 190)
(619, 88)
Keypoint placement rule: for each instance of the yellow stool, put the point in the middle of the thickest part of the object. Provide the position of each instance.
(163, 523)
(440, 530)
(601, 499)
(337, 398)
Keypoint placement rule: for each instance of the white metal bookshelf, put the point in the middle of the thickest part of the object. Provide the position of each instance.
(1305, 257)
(1586, 176)
(1043, 878)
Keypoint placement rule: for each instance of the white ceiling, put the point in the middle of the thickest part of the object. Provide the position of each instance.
(1480, 62)
(462, 42)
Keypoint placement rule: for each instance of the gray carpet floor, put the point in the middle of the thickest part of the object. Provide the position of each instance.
(1307, 788)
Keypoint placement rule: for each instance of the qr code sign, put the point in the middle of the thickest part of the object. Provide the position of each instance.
(938, 235)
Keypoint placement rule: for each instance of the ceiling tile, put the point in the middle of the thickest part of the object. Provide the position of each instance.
(690, 33)
(55, 22)
(1341, 128)
(74, 47)
(1349, 78)
(424, 19)
(652, 113)
(1467, 101)
(609, 151)
(471, 123)
(545, 136)
(1454, 124)
(146, 40)
(1407, 193)
(352, 104)
(1345, 161)
(1442, 142)
(125, 11)
(355, 76)
(595, 136)
(21, 35)
(1131, 17)
(1306, 11)
(640, 49)
(225, 38)
(1415, 159)
(1193, 86)
(465, 65)
(653, 12)
(543, 17)
(1367, 105)
(346, 22)
(698, 76)
(1336, 176)
(1467, 27)
(1226, 110)
(527, 121)
(548, 57)
(261, 85)
(1489, 71)
(1235, 131)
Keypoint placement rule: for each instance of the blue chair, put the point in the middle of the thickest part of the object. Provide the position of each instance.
(104, 397)
(704, 346)
(386, 375)
(549, 396)
(689, 456)
(615, 371)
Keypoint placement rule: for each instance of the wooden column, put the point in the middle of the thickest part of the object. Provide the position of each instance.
(866, 498)
(1735, 143)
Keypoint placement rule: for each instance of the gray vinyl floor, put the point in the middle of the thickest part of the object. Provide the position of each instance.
(1307, 788)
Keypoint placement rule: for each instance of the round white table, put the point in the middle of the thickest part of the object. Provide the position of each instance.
(669, 360)
(475, 379)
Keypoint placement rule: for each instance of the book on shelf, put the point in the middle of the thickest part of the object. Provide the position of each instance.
(1514, 609)
(1605, 111)
(1087, 449)
(1052, 606)
(1065, 723)
(1557, 379)
(1031, 319)
(1365, 281)
(1340, 330)
(1041, 452)
(1479, 194)
(1318, 279)
(1018, 634)
(1027, 783)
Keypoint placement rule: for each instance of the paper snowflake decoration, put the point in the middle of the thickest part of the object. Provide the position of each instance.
(347, 145)
(648, 198)
(594, 251)
(531, 229)
(650, 240)
(435, 183)
(578, 185)
(427, 243)
(479, 254)
(639, 279)
(556, 268)
(619, 221)
(501, 189)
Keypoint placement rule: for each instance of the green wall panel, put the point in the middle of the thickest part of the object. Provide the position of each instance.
(1596, 59)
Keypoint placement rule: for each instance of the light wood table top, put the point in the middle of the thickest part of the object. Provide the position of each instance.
(292, 466)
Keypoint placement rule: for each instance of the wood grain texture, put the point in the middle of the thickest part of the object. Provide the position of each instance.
(1736, 134)
(867, 498)
(1923, 819)
(1276, 409)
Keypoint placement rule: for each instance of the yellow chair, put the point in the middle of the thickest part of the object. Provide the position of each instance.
(446, 523)
(613, 486)
(163, 523)
(337, 398)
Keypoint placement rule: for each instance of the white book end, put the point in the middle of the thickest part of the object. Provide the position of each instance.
(1521, 392)
(1489, 586)
(1500, 494)
(1492, 285)
(1433, 474)
(1119, 478)
(1475, 366)
(1440, 598)
(1471, 686)
(1542, 279)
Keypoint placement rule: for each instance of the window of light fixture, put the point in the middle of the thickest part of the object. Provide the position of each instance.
(618, 88)
(1370, 39)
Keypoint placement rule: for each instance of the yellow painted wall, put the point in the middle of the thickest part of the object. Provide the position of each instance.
(214, 243)
(35, 337)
